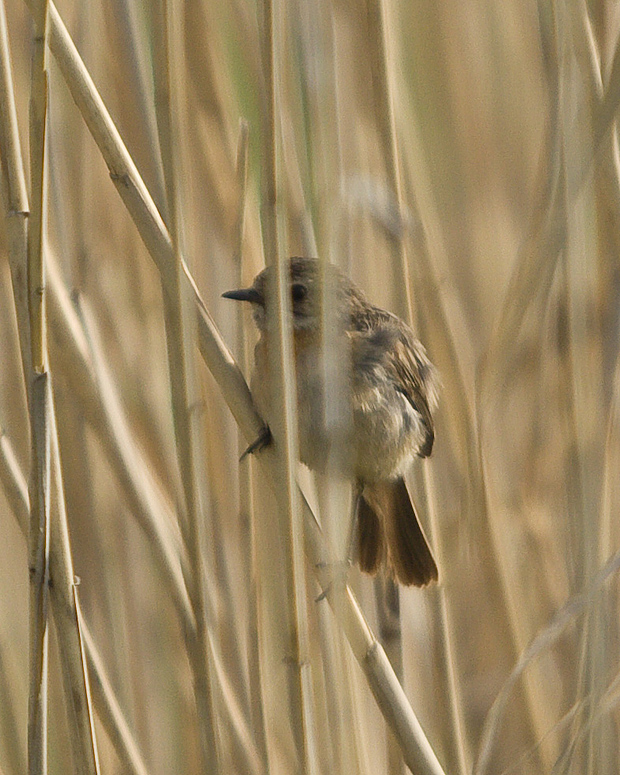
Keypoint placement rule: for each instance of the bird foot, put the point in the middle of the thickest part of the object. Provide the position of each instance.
(264, 440)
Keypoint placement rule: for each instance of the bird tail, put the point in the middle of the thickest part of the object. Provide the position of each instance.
(389, 532)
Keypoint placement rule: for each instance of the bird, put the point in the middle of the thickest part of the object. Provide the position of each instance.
(391, 391)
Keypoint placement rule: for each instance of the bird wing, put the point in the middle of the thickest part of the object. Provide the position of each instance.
(383, 340)
(407, 363)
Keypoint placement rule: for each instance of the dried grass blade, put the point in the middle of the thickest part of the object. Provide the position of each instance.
(109, 709)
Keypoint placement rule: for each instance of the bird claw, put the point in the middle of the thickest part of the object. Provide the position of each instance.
(263, 440)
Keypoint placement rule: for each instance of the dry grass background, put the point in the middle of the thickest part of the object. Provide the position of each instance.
(460, 162)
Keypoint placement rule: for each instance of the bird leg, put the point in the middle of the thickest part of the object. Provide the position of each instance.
(263, 440)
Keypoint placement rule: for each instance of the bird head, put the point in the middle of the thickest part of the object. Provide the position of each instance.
(305, 293)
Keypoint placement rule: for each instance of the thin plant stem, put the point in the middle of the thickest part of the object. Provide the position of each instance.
(180, 338)
(283, 387)
(38, 121)
(39, 533)
(246, 500)
(38, 562)
(386, 94)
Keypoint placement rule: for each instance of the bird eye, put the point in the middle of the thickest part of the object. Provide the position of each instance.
(298, 291)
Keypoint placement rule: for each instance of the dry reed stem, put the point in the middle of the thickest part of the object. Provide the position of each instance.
(612, 447)
(585, 388)
(246, 501)
(75, 677)
(109, 710)
(568, 184)
(392, 700)
(39, 395)
(437, 333)
(180, 337)
(386, 93)
(600, 707)
(38, 566)
(510, 608)
(313, 177)
(451, 690)
(13, 186)
(36, 225)
(284, 400)
(384, 89)
(534, 268)
(85, 689)
(75, 674)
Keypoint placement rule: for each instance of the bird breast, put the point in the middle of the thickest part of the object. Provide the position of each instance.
(355, 418)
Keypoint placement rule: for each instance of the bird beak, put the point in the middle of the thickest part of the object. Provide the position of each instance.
(244, 294)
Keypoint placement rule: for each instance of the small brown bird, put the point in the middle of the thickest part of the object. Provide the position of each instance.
(392, 392)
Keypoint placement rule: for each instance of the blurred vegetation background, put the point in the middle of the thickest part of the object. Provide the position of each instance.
(459, 161)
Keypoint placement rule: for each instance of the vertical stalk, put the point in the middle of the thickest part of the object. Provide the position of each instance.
(246, 483)
(38, 118)
(318, 75)
(384, 89)
(39, 534)
(49, 552)
(283, 399)
(14, 196)
(38, 564)
(180, 346)
(385, 97)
